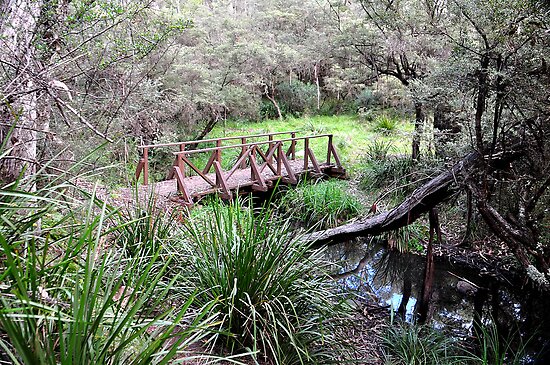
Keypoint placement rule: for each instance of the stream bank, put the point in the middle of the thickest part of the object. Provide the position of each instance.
(464, 290)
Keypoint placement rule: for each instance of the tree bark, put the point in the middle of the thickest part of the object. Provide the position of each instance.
(274, 102)
(17, 31)
(418, 127)
(415, 205)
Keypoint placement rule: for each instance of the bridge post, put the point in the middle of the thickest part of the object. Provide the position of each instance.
(306, 148)
(145, 166)
(270, 145)
(280, 154)
(219, 152)
(243, 151)
(329, 149)
(293, 146)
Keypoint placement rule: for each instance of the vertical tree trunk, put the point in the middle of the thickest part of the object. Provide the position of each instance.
(17, 29)
(427, 288)
(482, 92)
(316, 71)
(418, 127)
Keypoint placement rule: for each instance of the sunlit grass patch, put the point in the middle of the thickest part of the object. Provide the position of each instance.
(323, 204)
(352, 134)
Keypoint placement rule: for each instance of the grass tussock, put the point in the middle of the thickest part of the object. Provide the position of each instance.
(268, 291)
(70, 295)
(324, 204)
(411, 344)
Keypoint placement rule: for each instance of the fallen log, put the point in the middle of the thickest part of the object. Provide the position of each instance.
(426, 197)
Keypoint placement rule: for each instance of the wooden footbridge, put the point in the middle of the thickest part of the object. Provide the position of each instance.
(241, 163)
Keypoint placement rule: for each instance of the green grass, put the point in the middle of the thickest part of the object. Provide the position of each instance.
(268, 291)
(411, 344)
(70, 295)
(353, 137)
(323, 204)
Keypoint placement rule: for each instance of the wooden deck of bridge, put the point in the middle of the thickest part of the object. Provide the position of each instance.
(257, 167)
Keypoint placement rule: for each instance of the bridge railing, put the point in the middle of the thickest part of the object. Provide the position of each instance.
(253, 156)
(143, 163)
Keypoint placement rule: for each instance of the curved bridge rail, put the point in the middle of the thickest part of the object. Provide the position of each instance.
(257, 166)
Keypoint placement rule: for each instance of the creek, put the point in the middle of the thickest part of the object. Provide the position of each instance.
(374, 274)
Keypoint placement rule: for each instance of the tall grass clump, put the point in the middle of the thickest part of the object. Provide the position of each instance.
(325, 204)
(495, 349)
(268, 290)
(68, 293)
(412, 344)
(385, 124)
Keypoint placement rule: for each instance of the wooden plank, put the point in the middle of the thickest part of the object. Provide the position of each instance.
(220, 181)
(268, 161)
(316, 167)
(209, 163)
(289, 171)
(306, 148)
(279, 158)
(243, 152)
(145, 166)
(259, 182)
(336, 157)
(329, 149)
(199, 172)
(139, 168)
(182, 189)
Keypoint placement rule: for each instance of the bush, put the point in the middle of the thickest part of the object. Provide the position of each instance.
(325, 204)
(297, 97)
(411, 344)
(366, 99)
(385, 124)
(269, 293)
(69, 295)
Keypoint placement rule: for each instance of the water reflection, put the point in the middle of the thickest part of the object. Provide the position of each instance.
(375, 275)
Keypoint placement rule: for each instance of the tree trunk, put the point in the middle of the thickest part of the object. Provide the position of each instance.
(17, 32)
(273, 101)
(418, 127)
(316, 71)
(482, 92)
(415, 205)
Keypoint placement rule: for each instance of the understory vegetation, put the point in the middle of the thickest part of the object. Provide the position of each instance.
(76, 288)
(438, 110)
(323, 204)
(270, 294)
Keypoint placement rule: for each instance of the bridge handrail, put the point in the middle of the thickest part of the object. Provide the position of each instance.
(215, 139)
(210, 149)
(275, 158)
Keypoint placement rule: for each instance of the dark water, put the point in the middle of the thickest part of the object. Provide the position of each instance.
(382, 276)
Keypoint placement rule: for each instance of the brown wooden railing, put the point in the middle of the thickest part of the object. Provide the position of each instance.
(143, 164)
(252, 155)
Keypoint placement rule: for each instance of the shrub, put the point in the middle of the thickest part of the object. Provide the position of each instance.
(325, 204)
(385, 124)
(297, 97)
(69, 295)
(268, 291)
(411, 344)
(366, 99)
